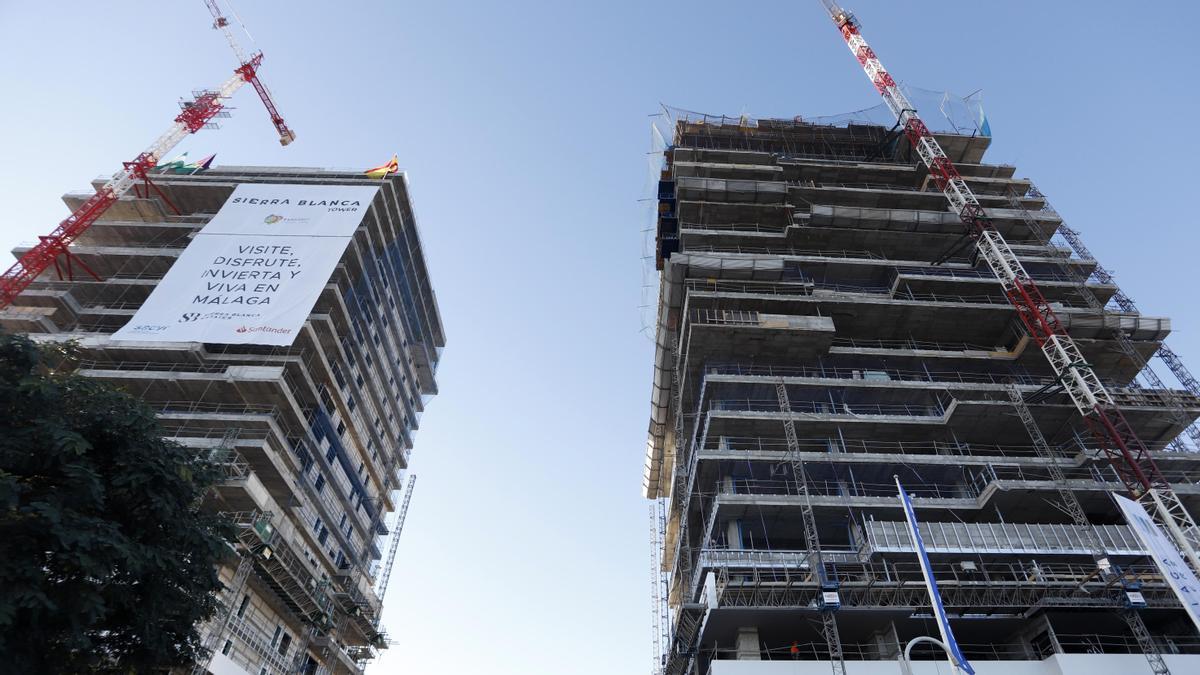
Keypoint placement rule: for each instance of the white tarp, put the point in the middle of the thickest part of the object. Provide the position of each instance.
(1181, 577)
(254, 272)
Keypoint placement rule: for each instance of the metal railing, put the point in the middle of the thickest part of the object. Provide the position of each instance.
(730, 557)
(155, 366)
(734, 227)
(889, 536)
(254, 635)
(824, 289)
(982, 574)
(158, 243)
(834, 488)
(1100, 473)
(876, 374)
(906, 293)
(699, 184)
(835, 446)
(910, 344)
(191, 433)
(185, 407)
(1127, 396)
(797, 287)
(119, 305)
(806, 287)
(986, 275)
(724, 317)
(1071, 643)
(1125, 644)
(892, 187)
(789, 251)
(830, 408)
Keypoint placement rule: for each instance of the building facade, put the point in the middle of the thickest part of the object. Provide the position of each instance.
(824, 331)
(314, 438)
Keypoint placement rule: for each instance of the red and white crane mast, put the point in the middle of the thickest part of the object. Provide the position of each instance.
(196, 115)
(1126, 452)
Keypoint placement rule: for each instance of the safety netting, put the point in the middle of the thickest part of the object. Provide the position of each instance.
(942, 111)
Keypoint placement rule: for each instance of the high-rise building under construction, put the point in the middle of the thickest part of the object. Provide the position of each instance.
(826, 332)
(313, 437)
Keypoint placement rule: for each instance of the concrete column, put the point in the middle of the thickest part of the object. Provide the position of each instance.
(887, 643)
(733, 534)
(1037, 636)
(747, 644)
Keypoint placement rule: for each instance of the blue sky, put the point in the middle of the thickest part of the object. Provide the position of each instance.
(523, 126)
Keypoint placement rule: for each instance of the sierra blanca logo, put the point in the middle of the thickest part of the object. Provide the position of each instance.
(274, 218)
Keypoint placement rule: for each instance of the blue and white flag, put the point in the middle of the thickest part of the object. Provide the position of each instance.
(935, 597)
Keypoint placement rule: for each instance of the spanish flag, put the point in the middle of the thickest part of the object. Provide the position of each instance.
(386, 169)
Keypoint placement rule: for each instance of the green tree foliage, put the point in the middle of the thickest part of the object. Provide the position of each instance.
(107, 561)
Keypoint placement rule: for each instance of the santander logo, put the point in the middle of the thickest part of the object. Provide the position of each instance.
(262, 329)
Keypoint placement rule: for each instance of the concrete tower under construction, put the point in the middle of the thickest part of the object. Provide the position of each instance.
(825, 332)
(314, 436)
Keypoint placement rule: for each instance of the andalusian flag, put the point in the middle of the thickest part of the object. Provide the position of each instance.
(178, 162)
(384, 170)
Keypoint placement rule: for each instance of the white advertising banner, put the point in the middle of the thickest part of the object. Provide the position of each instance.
(1181, 577)
(254, 272)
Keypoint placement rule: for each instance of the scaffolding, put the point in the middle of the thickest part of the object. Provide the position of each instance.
(659, 587)
(828, 619)
(233, 468)
(386, 576)
(1123, 302)
(1070, 503)
(282, 569)
(223, 622)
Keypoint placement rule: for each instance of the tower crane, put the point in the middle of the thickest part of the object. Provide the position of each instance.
(195, 115)
(249, 72)
(1128, 455)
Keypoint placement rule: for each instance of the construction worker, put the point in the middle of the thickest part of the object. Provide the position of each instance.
(795, 650)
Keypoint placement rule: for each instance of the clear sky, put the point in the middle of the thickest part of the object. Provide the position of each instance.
(523, 126)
